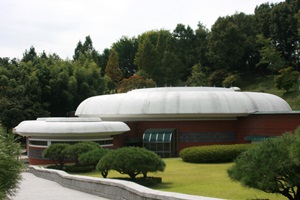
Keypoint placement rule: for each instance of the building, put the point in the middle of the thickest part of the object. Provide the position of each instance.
(166, 120)
(43, 132)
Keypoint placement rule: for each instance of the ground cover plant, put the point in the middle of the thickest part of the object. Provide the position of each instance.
(198, 179)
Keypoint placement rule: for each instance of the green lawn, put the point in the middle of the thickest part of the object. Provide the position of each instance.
(200, 179)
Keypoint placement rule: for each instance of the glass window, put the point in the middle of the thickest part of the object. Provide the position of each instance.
(38, 143)
(159, 141)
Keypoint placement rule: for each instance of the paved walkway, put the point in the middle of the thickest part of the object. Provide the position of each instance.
(35, 188)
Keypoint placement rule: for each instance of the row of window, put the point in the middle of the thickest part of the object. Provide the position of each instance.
(207, 137)
(45, 143)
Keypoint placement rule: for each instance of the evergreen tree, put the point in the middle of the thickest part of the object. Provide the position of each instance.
(112, 68)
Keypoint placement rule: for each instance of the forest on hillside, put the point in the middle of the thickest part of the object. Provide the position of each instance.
(236, 47)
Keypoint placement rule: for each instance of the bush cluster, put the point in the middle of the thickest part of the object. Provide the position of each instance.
(131, 161)
(89, 155)
(85, 156)
(213, 153)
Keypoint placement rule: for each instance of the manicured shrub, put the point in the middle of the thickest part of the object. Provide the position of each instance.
(56, 153)
(105, 163)
(271, 166)
(131, 161)
(213, 153)
(74, 151)
(92, 157)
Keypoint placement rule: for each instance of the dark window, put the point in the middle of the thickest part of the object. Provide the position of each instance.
(38, 143)
(207, 137)
(35, 153)
(104, 142)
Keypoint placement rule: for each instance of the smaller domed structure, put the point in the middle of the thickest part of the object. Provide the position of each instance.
(43, 132)
(69, 128)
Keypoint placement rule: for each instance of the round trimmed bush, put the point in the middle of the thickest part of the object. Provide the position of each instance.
(213, 153)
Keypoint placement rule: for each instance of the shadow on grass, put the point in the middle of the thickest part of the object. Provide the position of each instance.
(162, 186)
(147, 182)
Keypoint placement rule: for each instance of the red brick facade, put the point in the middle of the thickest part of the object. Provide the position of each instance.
(199, 132)
(253, 125)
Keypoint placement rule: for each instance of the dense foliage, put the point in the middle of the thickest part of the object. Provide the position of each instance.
(272, 166)
(10, 166)
(74, 151)
(40, 85)
(91, 158)
(83, 155)
(132, 161)
(213, 153)
(57, 154)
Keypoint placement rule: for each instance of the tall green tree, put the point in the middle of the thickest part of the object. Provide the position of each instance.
(88, 78)
(112, 68)
(21, 93)
(87, 49)
(279, 24)
(152, 46)
(185, 47)
(172, 69)
(146, 56)
(29, 55)
(271, 58)
(201, 45)
(102, 60)
(84, 48)
(197, 77)
(126, 49)
(61, 97)
(263, 18)
(232, 43)
(283, 28)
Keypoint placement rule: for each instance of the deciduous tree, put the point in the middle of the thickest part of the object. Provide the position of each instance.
(287, 78)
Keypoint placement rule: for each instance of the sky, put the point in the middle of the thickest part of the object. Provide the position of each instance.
(56, 26)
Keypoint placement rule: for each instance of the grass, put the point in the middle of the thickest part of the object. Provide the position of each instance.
(209, 180)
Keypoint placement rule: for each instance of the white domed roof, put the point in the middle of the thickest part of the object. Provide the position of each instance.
(177, 102)
(69, 127)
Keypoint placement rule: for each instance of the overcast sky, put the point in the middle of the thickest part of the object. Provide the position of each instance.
(56, 26)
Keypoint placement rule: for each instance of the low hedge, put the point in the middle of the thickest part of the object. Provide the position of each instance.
(213, 153)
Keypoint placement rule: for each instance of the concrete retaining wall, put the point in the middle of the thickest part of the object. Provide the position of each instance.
(109, 188)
